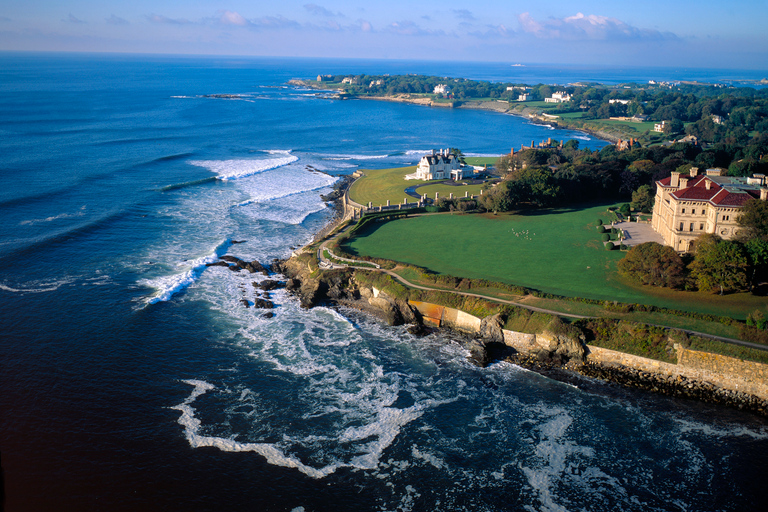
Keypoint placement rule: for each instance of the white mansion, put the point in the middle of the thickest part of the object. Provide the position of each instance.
(440, 165)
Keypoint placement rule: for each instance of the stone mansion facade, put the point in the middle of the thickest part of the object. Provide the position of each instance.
(440, 165)
(689, 205)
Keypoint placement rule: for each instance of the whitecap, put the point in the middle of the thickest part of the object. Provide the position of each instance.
(168, 286)
(36, 286)
(240, 168)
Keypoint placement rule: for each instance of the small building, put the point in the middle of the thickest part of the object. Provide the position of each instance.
(716, 119)
(440, 165)
(523, 97)
(324, 78)
(442, 89)
(623, 102)
(558, 97)
(349, 80)
(659, 127)
(689, 205)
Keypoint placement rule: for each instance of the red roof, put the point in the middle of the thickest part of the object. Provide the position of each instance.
(716, 194)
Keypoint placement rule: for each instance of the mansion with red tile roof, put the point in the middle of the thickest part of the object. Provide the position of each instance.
(689, 205)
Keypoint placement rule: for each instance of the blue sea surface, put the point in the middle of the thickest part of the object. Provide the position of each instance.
(132, 377)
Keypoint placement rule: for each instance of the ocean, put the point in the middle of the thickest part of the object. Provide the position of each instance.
(132, 377)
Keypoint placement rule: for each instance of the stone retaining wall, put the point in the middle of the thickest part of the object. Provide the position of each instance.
(723, 371)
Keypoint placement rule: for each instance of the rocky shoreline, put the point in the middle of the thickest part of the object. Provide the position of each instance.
(492, 106)
(560, 360)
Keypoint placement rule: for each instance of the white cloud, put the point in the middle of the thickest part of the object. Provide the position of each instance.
(158, 18)
(319, 10)
(588, 27)
(233, 18)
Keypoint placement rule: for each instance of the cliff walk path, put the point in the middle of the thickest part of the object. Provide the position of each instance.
(340, 263)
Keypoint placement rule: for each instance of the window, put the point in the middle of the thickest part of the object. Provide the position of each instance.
(683, 210)
(701, 225)
(693, 212)
(681, 226)
(690, 228)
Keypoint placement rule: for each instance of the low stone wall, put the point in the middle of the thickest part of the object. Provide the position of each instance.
(722, 371)
(441, 316)
(728, 372)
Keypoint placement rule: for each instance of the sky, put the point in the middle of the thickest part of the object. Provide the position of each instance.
(691, 33)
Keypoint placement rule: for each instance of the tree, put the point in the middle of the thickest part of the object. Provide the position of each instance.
(719, 264)
(533, 185)
(754, 220)
(642, 199)
(653, 264)
(458, 154)
(757, 255)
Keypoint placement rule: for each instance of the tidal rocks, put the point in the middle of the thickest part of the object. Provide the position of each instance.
(491, 328)
(238, 265)
(269, 284)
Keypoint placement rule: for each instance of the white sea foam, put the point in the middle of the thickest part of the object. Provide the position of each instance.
(36, 286)
(271, 452)
(241, 168)
(54, 217)
(169, 285)
(352, 157)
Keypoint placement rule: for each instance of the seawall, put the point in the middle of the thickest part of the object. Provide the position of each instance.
(721, 371)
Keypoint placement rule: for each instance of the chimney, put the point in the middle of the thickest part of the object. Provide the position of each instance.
(708, 184)
(714, 172)
(675, 179)
(683, 182)
(694, 172)
(764, 194)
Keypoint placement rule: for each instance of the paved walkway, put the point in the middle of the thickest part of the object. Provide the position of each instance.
(637, 233)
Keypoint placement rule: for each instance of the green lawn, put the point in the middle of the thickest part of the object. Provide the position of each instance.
(556, 251)
(381, 184)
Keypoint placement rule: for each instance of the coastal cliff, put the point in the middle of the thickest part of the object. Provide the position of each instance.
(557, 349)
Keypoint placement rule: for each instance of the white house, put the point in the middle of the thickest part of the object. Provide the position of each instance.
(558, 97)
(440, 165)
(523, 97)
(350, 80)
(442, 89)
(659, 127)
(623, 102)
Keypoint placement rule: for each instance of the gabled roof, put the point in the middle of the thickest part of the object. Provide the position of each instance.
(718, 194)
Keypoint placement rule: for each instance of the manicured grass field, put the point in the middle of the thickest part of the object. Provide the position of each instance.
(381, 184)
(556, 251)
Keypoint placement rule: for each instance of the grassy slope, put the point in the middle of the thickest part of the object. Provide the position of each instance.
(555, 251)
(381, 184)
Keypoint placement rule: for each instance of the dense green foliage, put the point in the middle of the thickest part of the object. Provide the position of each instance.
(653, 264)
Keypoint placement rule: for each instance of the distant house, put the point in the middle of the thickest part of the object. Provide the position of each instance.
(349, 80)
(558, 97)
(324, 78)
(440, 165)
(689, 205)
(623, 102)
(659, 127)
(375, 82)
(716, 119)
(523, 97)
(442, 89)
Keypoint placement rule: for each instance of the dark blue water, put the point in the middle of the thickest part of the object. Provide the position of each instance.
(132, 377)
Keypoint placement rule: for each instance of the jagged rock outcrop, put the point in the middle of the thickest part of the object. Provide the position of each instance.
(491, 328)
(559, 347)
(238, 264)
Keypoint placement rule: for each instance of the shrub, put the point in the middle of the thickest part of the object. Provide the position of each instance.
(599, 222)
(601, 229)
(623, 247)
(606, 237)
(609, 246)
